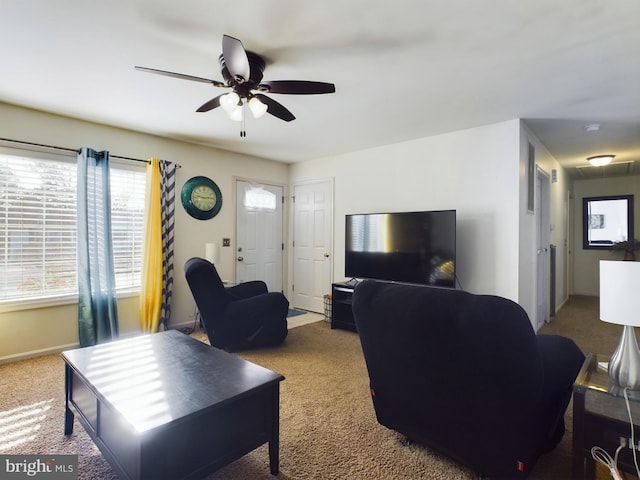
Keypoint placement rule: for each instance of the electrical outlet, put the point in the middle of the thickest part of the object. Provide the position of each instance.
(626, 442)
(226, 242)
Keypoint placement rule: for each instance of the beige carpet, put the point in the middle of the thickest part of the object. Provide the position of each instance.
(328, 428)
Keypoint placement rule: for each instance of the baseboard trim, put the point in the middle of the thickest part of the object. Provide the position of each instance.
(16, 357)
(180, 326)
(585, 294)
(560, 305)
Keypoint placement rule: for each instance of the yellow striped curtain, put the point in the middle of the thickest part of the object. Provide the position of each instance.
(151, 282)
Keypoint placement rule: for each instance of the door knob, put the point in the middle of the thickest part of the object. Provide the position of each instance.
(326, 255)
(240, 259)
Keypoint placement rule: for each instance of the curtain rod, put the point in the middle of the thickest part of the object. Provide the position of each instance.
(74, 150)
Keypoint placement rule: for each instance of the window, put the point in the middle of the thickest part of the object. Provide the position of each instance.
(127, 225)
(606, 220)
(38, 227)
(257, 198)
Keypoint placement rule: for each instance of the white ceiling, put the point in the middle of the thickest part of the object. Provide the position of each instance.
(402, 70)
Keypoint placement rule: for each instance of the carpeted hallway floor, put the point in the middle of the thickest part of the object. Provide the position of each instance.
(579, 319)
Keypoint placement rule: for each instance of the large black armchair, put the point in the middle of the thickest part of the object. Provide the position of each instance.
(238, 317)
(465, 374)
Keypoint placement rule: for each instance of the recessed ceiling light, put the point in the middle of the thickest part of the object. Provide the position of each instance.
(593, 127)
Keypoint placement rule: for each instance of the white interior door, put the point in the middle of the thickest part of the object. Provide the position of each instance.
(312, 234)
(543, 244)
(260, 234)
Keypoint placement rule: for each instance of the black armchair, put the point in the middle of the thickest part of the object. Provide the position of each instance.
(238, 317)
(465, 374)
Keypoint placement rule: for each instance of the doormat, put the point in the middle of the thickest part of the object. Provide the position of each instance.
(294, 313)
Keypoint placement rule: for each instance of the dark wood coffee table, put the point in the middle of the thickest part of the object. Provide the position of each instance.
(168, 406)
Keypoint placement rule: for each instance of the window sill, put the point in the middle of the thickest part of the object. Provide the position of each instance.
(33, 304)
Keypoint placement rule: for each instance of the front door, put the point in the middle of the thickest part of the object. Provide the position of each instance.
(259, 232)
(312, 234)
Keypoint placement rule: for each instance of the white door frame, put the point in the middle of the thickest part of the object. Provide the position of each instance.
(543, 242)
(568, 247)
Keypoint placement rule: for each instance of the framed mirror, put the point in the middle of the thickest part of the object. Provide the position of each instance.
(606, 220)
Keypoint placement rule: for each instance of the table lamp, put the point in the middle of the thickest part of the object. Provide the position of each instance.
(212, 252)
(620, 304)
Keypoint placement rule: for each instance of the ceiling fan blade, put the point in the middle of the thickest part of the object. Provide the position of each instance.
(235, 58)
(298, 87)
(276, 109)
(210, 105)
(180, 75)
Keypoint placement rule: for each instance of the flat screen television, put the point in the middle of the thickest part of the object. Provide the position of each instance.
(406, 247)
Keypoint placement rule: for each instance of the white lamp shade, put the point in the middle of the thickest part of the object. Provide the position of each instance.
(212, 252)
(236, 114)
(229, 101)
(258, 108)
(620, 292)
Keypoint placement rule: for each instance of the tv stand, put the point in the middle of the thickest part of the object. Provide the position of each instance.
(341, 300)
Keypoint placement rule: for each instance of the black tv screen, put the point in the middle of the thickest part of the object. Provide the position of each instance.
(407, 247)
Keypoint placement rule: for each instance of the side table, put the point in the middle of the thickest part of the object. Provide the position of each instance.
(341, 301)
(600, 418)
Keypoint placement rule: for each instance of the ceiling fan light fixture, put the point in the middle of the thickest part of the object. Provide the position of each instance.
(237, 114)
(600, 160)
(258, 109)
(242, 72)
(229, 102)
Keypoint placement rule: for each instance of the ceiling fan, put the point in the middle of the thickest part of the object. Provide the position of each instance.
(242, 72)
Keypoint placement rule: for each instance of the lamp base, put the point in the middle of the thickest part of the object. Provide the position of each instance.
(624, 366)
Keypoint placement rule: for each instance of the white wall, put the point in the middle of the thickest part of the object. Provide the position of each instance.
(559, 208)
(478, 172)
(586, 266)
(52, 328)
(475, 172)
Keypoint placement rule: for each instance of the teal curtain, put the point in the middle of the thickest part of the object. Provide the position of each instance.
(97, 308)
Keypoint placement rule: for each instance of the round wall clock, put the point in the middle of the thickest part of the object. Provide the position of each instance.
(201, 198)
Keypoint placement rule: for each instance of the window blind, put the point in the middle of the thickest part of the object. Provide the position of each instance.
(38, 227)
